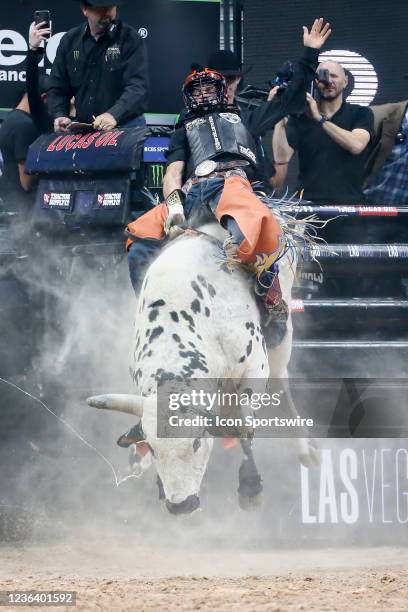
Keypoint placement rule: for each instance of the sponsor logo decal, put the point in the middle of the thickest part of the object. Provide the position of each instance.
(363, 486)
(13, 51)
(231, 117)
(214, 133)
(112, 54)
(195, 123)
(62, 201)
(155, 148)
(156, 174)
(377, 211)
(109, 200)
(248, 153)
(79, 141)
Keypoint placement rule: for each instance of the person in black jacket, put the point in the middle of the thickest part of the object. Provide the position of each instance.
(210, 164)
(18, 131)
(22, 127)
(38, 84)
(103, 64)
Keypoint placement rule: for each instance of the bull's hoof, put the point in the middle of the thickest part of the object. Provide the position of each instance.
(309, 454)
(250, 504)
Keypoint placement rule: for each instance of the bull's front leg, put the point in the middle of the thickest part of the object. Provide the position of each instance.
(308, 450)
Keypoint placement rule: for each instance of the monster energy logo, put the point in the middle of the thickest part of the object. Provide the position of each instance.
(156, 174)
(76, 55)
(112, 53)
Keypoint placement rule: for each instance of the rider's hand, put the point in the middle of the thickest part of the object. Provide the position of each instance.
(106, 121)
(61, 124)
(37, 34)
(319, 33)
(176, 211)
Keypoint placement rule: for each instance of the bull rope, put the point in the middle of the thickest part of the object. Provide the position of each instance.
(118, 480)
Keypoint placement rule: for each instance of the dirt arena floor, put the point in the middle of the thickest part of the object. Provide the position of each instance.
(109, 576)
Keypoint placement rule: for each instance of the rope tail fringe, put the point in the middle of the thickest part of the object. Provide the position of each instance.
(299, 237)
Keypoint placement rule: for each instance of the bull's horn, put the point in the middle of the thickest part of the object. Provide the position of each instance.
(131, 404)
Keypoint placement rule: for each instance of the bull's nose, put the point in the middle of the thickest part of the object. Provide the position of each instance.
(188, 505)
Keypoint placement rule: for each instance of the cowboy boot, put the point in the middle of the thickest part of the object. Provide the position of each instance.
(273, 308)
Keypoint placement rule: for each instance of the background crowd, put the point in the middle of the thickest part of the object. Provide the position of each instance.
(346, 154)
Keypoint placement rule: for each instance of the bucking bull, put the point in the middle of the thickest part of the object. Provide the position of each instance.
(197, 320)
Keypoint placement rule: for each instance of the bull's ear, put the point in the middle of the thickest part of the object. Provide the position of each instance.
(124, 441)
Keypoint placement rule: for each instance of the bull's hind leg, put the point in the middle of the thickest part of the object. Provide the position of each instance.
(308, 450)
(250, 488)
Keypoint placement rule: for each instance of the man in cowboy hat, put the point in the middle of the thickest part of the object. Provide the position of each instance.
(103, 64)
(227, 63)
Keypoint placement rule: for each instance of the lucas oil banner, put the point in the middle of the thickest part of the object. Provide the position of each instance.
(173, 31)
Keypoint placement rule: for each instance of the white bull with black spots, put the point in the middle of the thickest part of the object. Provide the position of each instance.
(195, 320)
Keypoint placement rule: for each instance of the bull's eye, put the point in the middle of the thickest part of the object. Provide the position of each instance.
(196, 444)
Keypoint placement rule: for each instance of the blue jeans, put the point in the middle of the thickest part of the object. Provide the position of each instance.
(201, 202)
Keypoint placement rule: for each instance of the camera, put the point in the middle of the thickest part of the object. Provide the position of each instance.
(282, 77)
(322, 76)
(254, 96)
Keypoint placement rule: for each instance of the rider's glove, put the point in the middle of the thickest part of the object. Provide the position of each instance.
(175, 201)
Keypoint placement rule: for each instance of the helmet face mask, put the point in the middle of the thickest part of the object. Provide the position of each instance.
(205, 90)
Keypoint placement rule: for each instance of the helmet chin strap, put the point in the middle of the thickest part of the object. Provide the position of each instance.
(202, 110)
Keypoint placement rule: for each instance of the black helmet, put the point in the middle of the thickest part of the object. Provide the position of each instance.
(196, 80)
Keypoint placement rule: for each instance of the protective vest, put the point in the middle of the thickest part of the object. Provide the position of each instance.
(217, 134)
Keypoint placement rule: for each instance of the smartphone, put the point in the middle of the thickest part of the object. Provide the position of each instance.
(40, 16)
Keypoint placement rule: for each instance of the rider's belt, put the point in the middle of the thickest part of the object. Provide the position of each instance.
(223, 174)
(209, 166)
